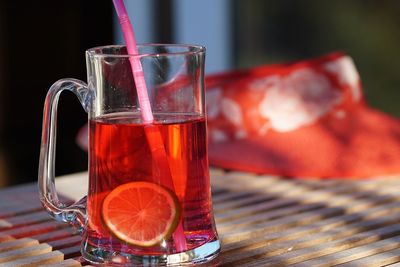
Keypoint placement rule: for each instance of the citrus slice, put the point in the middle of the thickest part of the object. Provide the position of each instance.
(141, 213)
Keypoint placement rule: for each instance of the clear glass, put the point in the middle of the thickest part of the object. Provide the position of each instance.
(168, 155)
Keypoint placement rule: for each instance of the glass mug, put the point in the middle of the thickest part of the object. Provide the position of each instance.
(149, 197)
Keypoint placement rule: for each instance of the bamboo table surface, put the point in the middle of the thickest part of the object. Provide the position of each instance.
(262, 221)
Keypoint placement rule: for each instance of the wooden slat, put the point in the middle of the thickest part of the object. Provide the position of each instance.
(54, 235)
(305, 236)
(299, 219)
(285, 241)
(353, 254)
(295, 256)
(350, 223)
(65, 263)
(70, 252)
(52, 257)
(286, 244)
(30, 230)
(69, 241)
(262, 221)
(267, 227)
(17, 244)
(20, 208)
(381, 259)
(25, 219)
(24, 252)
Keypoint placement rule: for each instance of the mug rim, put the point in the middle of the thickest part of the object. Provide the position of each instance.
(197, 49)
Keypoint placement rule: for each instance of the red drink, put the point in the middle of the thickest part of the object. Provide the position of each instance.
(120, 154)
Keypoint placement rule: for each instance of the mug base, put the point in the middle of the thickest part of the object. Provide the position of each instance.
(204, 253)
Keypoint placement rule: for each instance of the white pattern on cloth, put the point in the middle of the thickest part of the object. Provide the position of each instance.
(298, 99)
(232, 111)
(347, 74)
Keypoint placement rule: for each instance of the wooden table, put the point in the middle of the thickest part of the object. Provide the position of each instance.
(261, 220)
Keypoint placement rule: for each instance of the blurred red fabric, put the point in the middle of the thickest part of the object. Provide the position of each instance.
(302, 119)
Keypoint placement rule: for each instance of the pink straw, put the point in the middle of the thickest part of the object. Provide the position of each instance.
(137, 70)
(152, 133)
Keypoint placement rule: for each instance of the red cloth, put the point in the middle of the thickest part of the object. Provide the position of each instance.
(301, 119)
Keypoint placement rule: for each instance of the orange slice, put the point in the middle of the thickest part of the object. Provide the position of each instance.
(141, 213)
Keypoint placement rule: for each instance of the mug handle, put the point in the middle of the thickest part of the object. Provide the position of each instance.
(74, 214)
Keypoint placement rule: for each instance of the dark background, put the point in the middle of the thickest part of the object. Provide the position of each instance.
(43, 42)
